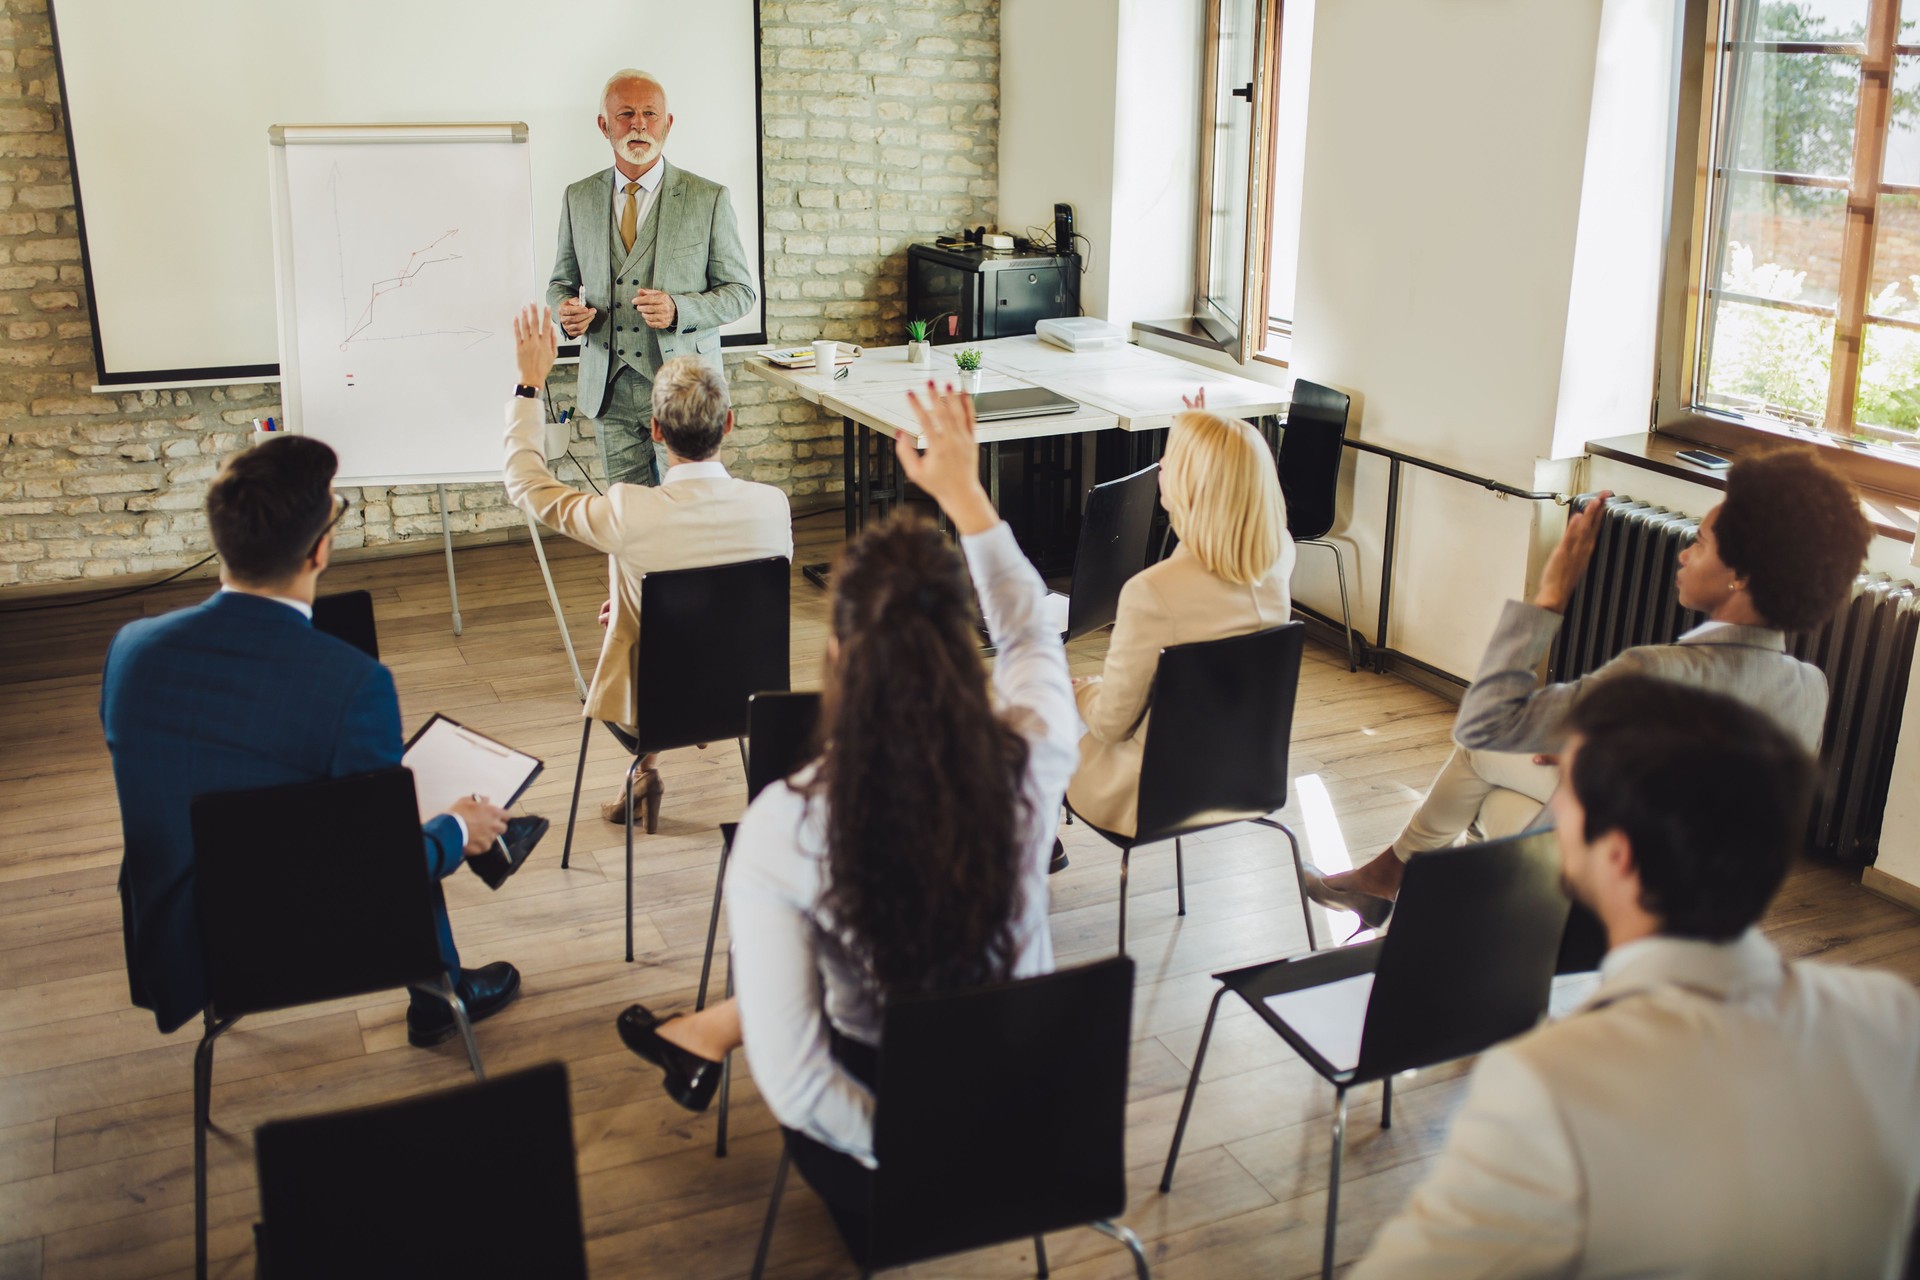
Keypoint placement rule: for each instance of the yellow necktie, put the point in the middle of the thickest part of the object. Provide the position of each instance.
(630, 217)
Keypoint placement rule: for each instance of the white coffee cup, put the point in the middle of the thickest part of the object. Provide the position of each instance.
(823, 356)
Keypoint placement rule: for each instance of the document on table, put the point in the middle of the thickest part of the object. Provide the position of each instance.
(450, 760)
(1329, 1017)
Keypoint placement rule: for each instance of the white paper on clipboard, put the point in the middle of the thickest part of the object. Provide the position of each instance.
(450, 760)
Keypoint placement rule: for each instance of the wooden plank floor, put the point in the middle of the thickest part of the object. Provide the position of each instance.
(95, 1137)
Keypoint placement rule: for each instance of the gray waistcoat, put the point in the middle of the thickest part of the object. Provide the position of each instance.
(633, 344)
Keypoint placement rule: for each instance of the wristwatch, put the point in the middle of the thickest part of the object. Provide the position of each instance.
(531, 393)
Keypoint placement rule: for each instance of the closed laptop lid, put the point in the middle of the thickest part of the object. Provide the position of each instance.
(1021, 402)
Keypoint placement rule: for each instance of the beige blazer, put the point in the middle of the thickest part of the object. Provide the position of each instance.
(1174, 602)
(1711, 1113)
(682, 524)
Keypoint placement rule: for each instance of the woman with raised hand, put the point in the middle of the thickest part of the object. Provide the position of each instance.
(910, 857)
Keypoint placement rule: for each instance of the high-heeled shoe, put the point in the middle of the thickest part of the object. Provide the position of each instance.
(649, 789)
(1372, 909)
(689, 1079)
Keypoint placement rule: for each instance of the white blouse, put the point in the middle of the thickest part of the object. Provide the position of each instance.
(791, 968)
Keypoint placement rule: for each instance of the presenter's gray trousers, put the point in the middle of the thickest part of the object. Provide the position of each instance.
(625, 431)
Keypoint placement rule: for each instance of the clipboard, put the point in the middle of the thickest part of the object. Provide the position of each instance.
(449, 761)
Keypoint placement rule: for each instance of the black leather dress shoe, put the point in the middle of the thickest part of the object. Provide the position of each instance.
(1059, 860)
(522, 834)
(485, 992)
(689, 1079)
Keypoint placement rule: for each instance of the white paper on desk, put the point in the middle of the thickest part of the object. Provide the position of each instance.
(450, 760)
(1329, 1017)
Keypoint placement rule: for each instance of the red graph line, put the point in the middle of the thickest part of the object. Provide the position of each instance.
(415, 265)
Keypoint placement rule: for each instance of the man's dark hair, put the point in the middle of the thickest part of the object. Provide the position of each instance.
(1712, 795)
(269, 505)
(690, 407)
(1791, 526)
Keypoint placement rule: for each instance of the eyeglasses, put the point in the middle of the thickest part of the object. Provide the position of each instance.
(327, 528)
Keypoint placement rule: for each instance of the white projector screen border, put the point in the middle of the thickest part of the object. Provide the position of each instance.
(145, 300)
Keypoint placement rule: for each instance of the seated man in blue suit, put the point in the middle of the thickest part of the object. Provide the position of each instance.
(241, 692)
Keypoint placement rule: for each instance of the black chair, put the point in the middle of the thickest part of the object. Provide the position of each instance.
(709, 640)
(1468, 963)
(1216, 750)
(1310, 456)
(343, 907)
(1114, 531)
(348, 615)
(779, 732)
(389, 1191)
(999, 1114)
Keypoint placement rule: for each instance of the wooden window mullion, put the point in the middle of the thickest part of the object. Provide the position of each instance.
(1856, 252)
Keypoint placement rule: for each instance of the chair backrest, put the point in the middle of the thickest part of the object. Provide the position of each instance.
(1216, 749)
(1001, 1112)
(709, 639)
(1113, 547)
(391, 1190)
(779, 732)
(312, 892)
(1310, 456)
(1469, 959)
(348, 615)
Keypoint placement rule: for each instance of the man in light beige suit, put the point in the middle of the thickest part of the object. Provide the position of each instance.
(697, 517)
(1755, 570)
(1712, 1111)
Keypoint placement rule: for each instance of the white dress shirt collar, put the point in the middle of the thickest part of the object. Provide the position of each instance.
(1719, 970)
(711, 469)
(305, 610)
(649, 181)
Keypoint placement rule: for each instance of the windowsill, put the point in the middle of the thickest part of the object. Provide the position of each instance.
(1893, 515)
(1180, 329)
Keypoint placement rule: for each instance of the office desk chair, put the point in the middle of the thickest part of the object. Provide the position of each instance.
(1311, 450)
(1468, 963)
(348, 615)
(1114, 532)
(372, 1192)
(709, 640)
(343, 907)
(1216, 747)
(999, 1114)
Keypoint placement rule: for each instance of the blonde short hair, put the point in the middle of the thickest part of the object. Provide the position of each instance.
(690, 406)
(1222, 495)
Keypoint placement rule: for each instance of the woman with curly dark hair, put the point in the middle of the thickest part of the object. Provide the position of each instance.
(911, 857)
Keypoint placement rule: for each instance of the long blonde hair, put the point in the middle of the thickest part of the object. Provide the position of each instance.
(1222, 495)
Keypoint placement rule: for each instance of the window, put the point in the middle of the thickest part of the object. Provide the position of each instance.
(1811, 276)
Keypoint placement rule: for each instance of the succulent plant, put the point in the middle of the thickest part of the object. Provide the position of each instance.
(968, 360)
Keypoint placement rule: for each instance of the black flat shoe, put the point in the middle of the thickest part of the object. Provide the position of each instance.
(1059, 860)
(485, 992)
(1372, 909)
(688, 1078)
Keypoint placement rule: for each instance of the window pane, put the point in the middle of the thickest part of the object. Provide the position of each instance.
(1834, 20)
(1889, 397)
(1896, 259)
(1903, 123)
(1794, 112)
(1232, 155)
(1769, 362)
(1783, 242)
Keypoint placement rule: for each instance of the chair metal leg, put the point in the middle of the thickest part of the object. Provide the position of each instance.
(773, 1212)
(450, 992)
(1333, 1181)
(1124, 855)
(713, 923)
(1346, 619)
(1115, 1231)
(202, 1118)
(1386, 1103)
(573, 810)
(1299, 877)
(1193, 1082)
(1180, 875)
(633, 771)
(726, 1083)
(1040, 1258)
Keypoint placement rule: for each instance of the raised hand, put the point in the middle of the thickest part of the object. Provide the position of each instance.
(947, 463)
(1198, 400)
(534, 345)
(1570, 558)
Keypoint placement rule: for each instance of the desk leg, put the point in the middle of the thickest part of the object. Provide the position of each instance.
(864, 472)
(819, 572)
(446, 538)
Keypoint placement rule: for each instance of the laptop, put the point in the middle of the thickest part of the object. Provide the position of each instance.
(1021, 402)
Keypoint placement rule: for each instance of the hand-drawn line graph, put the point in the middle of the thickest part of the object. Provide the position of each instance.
(417, 261)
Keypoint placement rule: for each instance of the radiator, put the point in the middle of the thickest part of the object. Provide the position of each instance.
(1866, 650)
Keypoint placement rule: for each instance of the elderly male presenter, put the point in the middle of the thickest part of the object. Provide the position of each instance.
(649, 267)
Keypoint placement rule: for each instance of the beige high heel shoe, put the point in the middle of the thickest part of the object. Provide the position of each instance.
(646, 798)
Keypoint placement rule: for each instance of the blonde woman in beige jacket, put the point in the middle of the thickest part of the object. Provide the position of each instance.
(1228, 576)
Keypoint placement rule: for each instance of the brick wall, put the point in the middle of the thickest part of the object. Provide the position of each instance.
(881, 128)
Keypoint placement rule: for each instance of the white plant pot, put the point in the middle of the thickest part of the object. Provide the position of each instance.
(970, 380)
(919, 353)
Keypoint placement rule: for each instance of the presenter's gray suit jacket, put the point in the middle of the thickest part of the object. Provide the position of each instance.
(1503, 710)
(698, 262)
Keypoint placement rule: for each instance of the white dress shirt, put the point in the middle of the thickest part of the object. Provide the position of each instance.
(649, 189)
(795, 971)
(300, 607)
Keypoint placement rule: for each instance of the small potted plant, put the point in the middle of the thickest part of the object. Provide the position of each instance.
(919, 348)
(968, 361)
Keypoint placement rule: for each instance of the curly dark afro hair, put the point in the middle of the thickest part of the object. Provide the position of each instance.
(1791, 526)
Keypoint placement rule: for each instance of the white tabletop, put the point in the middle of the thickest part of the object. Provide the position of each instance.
(882, 406)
